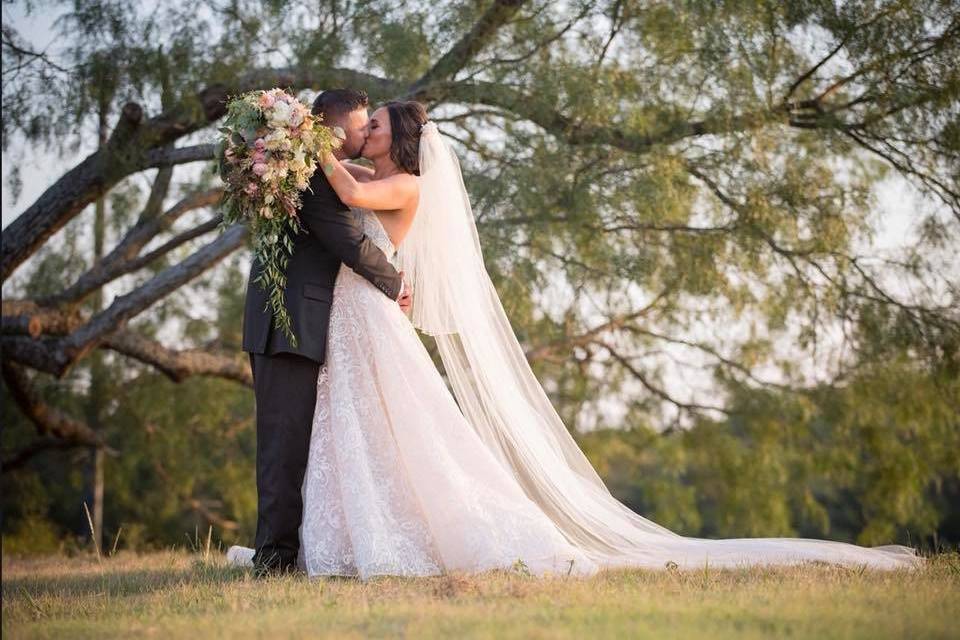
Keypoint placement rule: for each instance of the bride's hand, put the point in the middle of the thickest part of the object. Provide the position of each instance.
(406, 297)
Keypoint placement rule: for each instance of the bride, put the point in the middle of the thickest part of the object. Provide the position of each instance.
(406, 479)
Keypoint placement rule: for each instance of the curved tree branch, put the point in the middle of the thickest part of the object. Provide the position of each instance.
(24, 323)
(469, 45)
(123, 258)
(180, 364)
(48, 421)
(624, 362)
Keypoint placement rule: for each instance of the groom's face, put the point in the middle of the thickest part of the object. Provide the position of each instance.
(355, 127)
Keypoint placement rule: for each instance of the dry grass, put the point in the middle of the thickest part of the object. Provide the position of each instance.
(179, 594)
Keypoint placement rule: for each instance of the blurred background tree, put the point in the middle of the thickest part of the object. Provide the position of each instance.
(679, 202)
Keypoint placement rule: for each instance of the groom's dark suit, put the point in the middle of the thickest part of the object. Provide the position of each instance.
(285, 377)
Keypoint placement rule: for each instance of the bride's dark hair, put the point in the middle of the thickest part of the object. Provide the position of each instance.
(406, 119)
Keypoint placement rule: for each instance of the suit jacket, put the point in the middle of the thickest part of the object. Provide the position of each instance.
(331, 236)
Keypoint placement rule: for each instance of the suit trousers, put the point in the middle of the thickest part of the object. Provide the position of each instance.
(285, 389)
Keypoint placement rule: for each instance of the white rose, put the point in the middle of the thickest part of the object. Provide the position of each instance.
(280, 114)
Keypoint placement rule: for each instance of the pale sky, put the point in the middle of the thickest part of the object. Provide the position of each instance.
(38, 170)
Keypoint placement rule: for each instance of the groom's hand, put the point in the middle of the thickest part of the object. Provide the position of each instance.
(406, 296)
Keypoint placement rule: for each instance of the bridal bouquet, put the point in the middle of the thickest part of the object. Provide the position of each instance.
(268, 153)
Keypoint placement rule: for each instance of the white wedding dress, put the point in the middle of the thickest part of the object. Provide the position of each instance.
(406, 478)
(399, 483)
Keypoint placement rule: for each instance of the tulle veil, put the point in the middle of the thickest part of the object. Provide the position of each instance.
(455, 302)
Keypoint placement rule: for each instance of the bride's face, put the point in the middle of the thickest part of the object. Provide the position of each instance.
(379, 137)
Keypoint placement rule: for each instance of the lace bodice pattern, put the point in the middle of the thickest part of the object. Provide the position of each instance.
(375, 231)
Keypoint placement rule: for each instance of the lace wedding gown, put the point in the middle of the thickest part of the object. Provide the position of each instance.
(399, 483)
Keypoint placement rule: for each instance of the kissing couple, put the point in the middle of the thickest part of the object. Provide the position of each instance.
(369, 461)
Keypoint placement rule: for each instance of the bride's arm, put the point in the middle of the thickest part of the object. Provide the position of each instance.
(395, 192)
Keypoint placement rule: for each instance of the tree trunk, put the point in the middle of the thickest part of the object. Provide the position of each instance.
(99, 458)
(96, 398)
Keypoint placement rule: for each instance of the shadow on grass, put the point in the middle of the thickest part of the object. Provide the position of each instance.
(121, 583)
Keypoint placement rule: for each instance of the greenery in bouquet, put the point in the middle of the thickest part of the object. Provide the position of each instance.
(269, 151)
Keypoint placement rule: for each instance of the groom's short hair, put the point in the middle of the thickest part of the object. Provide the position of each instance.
(335, 103)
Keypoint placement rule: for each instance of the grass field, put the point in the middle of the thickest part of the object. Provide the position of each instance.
(182, 595)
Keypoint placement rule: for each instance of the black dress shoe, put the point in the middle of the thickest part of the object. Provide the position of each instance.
(269, 570)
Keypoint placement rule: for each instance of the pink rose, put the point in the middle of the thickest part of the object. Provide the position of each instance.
(260, 144)
(252, 189)
(259, 157)
(266, 101)
(259, 168)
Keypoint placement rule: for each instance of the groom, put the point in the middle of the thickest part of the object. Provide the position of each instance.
(284, 376)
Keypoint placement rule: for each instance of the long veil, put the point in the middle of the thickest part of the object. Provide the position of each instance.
(456, 303)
